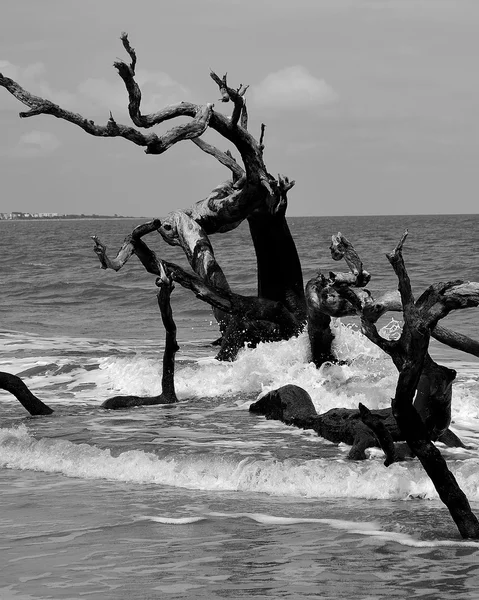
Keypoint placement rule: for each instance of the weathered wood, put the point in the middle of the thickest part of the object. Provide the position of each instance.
(255, 319)
(293, 405)
(280, 311)
(253, 189)
(154, 144)
(341, 248)
(360, 428)
(319, 323)
(280, 276)
(168, 394)
(340, 295)
(409, 353)
(382, 433)
(434, 397)
(14, 385)
(253, 194)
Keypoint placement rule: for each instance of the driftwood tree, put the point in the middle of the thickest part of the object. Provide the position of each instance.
(282, 306)
(421, 407)
(251, 194)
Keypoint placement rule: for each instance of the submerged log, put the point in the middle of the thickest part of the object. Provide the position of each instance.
(14, 385)
(359, 428)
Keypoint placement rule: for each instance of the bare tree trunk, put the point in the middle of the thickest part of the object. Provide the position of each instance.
(168, 394)
(280, 276)
(411, 351)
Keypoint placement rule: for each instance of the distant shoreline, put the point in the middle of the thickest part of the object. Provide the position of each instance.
(70, 218)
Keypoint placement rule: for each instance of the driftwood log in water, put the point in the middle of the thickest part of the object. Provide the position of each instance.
(14, 385)
(168, 394)
(359, 428)
(345, 294)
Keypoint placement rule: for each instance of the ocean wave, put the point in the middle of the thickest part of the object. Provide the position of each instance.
(316, 478)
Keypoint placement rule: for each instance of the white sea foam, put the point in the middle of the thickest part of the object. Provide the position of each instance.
(103, 369)
(369, 378)
(175, 520)
(366, 528)
(208, 471)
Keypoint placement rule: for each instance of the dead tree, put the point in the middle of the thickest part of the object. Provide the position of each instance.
(421, 407)
(281, 307)
(251, 194)
(409, 354)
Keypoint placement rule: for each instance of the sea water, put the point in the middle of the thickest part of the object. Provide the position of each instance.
(202, 499)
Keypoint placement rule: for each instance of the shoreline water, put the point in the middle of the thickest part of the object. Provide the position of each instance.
(203, 499)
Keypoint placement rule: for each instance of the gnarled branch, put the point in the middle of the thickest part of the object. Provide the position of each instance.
(153, 143)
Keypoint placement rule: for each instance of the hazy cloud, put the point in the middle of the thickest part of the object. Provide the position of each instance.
(32, 78)
(36, 143)
(292, 88)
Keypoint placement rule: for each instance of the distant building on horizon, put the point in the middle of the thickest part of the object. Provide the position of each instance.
(27, 215)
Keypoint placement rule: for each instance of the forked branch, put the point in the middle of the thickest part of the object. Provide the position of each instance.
(153, 143)
(236, 96)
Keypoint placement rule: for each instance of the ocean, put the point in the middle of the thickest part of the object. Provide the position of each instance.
(201, 499)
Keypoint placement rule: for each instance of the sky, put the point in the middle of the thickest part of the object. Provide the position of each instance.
(371, 106)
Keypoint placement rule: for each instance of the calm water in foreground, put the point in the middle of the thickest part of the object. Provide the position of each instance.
(202, 499)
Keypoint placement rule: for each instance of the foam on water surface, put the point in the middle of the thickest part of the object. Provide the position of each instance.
(203, 470)
(365, 528)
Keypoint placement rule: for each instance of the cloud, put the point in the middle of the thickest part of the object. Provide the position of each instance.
(36, 143)
(32, 78)
(292, 88)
